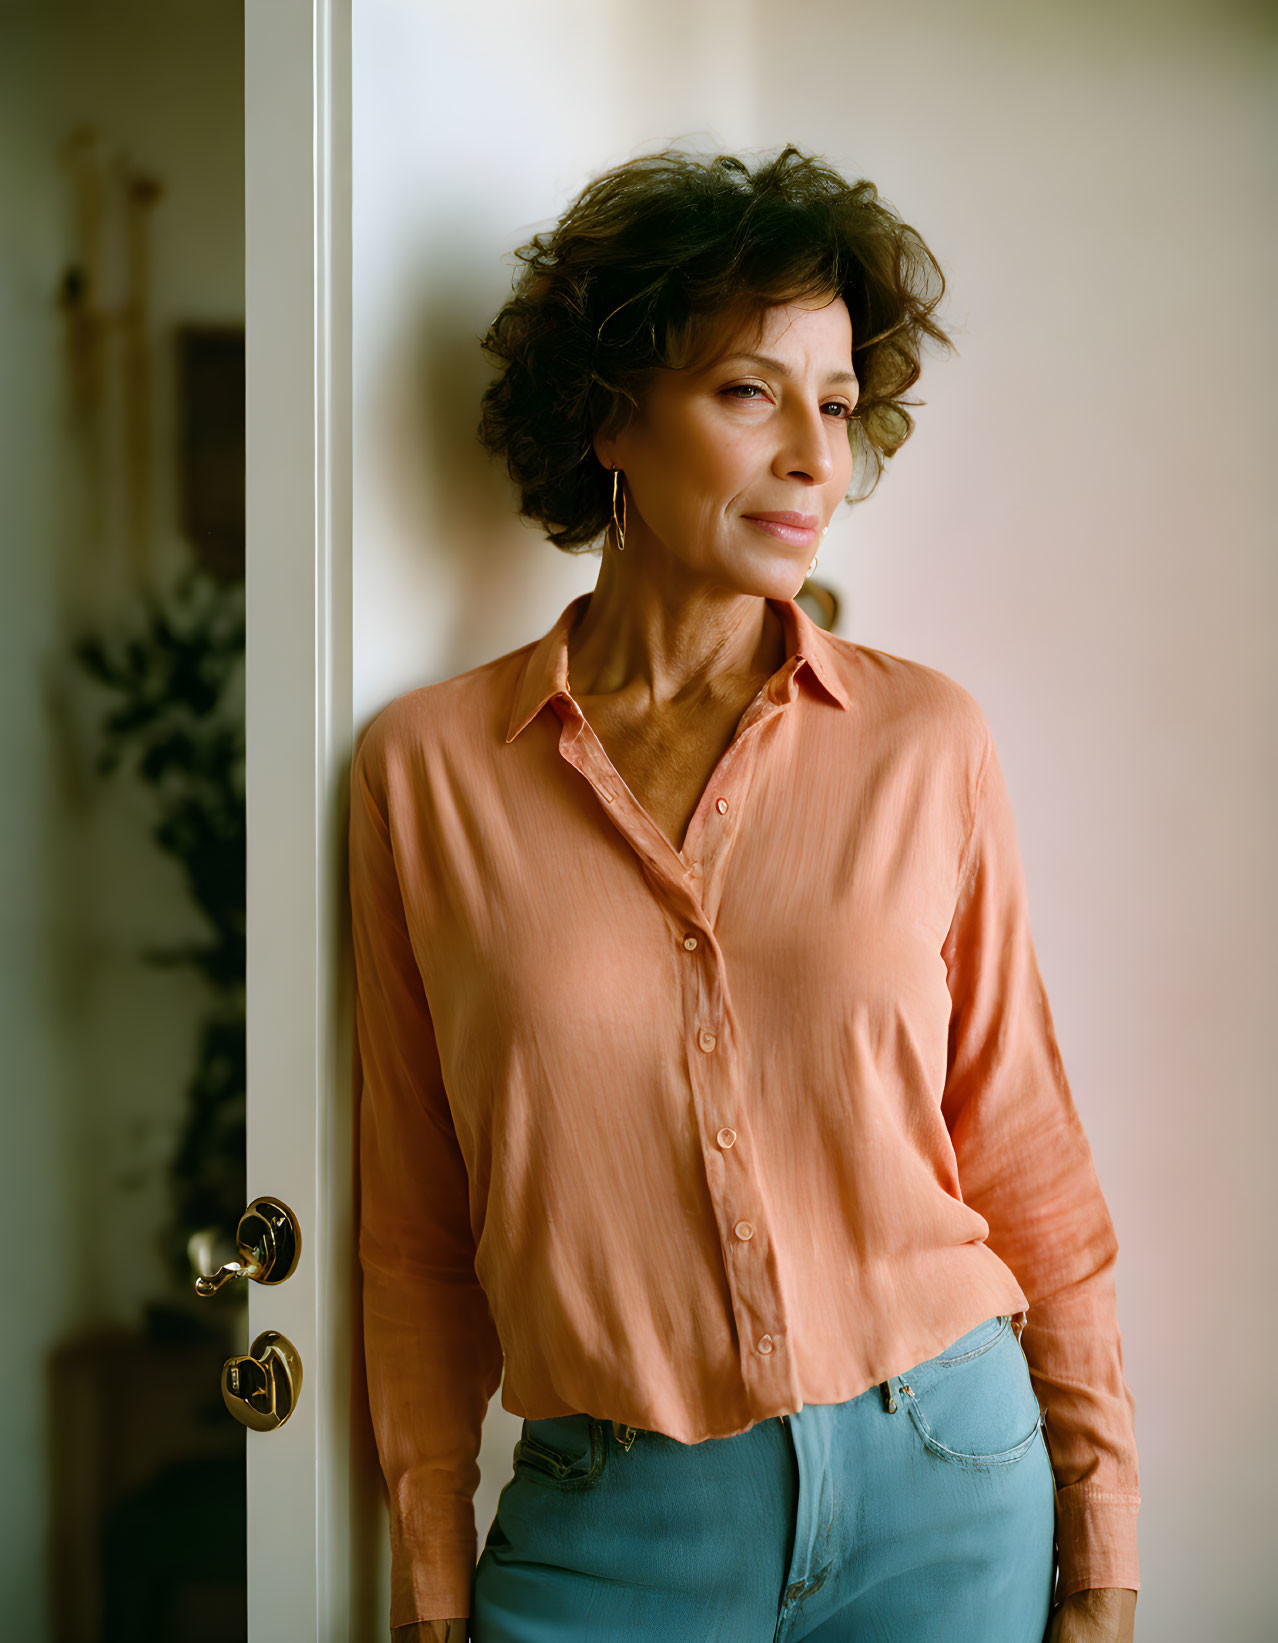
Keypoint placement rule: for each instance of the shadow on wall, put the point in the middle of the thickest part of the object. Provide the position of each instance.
(449, 506)
(474, 500)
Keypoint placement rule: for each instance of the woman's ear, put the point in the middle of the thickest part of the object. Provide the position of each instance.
(610, 438)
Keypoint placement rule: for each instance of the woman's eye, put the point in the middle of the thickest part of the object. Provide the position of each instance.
(750, 392)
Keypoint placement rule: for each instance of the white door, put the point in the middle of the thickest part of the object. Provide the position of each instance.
(314, 1527)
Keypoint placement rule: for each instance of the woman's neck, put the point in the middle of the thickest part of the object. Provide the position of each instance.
(671, 643)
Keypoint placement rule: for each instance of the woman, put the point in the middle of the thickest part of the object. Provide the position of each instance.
(711, 1102)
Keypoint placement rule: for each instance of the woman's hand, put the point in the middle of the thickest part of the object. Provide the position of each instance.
(432, 1631)
(1106, 1615)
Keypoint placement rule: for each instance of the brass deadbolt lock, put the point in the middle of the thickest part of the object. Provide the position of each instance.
(261, 1389)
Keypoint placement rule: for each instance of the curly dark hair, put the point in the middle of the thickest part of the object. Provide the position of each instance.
(636, 273)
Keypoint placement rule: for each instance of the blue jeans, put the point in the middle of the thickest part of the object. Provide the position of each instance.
(924, 1509)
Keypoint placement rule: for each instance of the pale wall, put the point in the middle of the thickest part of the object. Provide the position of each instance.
(1077, 532)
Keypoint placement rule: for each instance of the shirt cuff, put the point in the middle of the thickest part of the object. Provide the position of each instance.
(1095, 1539)
(433, 1549)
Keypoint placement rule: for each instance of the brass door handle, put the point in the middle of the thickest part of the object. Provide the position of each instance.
(269, 1241)
(262, 1388)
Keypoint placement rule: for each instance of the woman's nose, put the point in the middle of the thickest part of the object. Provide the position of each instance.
(805, 450)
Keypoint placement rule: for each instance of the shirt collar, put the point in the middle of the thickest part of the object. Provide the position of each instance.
(546, 671)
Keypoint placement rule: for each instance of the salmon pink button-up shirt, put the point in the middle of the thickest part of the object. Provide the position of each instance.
(689, 1138)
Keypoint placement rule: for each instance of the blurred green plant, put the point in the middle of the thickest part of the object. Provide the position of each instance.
(177, 723)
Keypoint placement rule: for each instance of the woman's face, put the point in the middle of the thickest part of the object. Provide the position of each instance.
(756, 428)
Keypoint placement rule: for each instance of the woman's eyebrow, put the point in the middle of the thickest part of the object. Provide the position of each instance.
(781, 368)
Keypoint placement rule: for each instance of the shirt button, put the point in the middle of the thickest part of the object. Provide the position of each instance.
(690, 942)
(726, 1137)
(764, 1343)
(743, 1230)
(721, 805)
(706, 1041)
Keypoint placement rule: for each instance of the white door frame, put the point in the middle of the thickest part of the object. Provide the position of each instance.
(312, 1511)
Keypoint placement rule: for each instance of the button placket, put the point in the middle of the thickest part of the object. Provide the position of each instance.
(751, 1272)
(743, 1229)
(689, 885)
(724, 806)
(702, 835)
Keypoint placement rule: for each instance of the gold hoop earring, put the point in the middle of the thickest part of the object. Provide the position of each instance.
(618, 525)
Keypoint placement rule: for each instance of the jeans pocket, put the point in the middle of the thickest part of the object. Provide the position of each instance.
(972, 1344)
(974, 1405)
(562, 1452)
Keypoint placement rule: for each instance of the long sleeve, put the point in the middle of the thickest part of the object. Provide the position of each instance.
(433, 1354)
(1026, 1166)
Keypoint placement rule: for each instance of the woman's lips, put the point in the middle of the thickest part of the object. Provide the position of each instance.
(798, 536)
